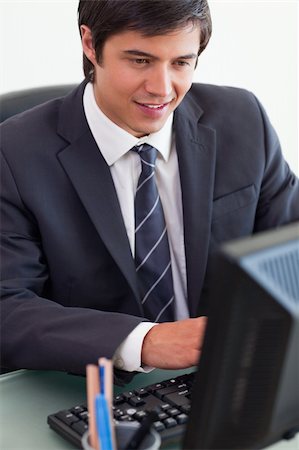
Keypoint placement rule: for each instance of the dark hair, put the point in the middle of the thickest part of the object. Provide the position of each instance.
(151, 17)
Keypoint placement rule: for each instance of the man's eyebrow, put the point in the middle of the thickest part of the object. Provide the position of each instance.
(143, 54)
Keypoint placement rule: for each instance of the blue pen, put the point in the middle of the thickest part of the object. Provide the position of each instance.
(102, 379)
(103, 423)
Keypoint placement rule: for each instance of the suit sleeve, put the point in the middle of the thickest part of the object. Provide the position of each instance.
(279, 192)
(36, 332)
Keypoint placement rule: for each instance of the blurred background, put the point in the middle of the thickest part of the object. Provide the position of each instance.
(254, 46)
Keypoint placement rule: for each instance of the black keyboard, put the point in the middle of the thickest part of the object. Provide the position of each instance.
(170, 398)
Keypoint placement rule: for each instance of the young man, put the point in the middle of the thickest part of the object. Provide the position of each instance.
(116, 196)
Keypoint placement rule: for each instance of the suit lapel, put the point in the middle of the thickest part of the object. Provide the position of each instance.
(91, 178)
(196, 148)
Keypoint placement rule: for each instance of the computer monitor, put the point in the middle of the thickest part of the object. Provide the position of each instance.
(246, 391)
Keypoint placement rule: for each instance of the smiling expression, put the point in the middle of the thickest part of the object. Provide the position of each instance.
(140, 79)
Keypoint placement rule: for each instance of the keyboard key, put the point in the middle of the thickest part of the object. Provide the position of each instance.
(177, 398)
(159, 426)
(186, 408)
(172, 382)
(163, 416)
(131, 411)
(125, 418)
(80, 427)
(128, 395)
(118, 400)
(136, 401)
(170, 422)
(141, 392)
(165, 406)
(182, 386)
(155, 387)
(67, 417)
(182, 418)
(77, 410)
(173, 412)
(118, 413)
(164, 391)
(84, 415)
(140, 415)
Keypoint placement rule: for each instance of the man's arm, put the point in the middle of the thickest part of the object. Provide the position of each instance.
(279, 192)
(37, 332)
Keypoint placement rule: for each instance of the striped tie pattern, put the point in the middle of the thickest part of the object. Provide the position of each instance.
(152, 256)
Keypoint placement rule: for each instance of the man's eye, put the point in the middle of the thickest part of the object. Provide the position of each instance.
(141, 61)
(182, 63)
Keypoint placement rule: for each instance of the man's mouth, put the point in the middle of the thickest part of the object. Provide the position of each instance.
(154, 106)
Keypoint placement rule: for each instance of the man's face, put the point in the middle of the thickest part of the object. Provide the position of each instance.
(141, 80)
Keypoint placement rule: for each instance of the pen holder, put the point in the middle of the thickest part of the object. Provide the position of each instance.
(124, 432)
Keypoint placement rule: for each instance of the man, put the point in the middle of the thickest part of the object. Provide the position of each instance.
(81, 278)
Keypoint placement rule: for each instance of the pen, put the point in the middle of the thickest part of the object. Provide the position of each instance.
(105, 366)
(103, 422)
(93, 390)
(106, 369)
(142, 431)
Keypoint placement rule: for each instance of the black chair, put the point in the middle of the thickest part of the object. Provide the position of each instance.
(15, 102)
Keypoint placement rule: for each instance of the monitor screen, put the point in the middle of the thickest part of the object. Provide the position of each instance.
(246, 391)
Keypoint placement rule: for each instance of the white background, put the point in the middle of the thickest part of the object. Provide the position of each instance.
(254, 45)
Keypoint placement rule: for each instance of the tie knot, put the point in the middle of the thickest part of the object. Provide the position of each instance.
(147, 153)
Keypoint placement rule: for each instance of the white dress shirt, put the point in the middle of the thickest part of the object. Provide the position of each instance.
(115, 144)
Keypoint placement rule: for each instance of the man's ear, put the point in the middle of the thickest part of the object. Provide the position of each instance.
(87, 45)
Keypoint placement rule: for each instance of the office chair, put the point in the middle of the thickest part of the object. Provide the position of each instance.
(18, 101)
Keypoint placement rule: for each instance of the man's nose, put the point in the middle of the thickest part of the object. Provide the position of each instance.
(159, 82)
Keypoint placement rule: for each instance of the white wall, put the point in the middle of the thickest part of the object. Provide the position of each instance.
(254, 45)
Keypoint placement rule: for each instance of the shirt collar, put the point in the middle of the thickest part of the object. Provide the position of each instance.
(112, 140)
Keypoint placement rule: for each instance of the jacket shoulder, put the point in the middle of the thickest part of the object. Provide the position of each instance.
(207, 93)
(38, 129)
(218, 102)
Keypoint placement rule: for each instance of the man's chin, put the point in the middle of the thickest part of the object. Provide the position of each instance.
(146, 129)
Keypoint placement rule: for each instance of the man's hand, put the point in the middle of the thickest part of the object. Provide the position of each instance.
(174, 345)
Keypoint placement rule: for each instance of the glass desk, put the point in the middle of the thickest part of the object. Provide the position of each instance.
(28, 397)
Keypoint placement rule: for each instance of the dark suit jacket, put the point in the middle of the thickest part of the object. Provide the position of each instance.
(69, 290)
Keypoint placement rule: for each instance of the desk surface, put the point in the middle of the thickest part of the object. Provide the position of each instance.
(28, 397)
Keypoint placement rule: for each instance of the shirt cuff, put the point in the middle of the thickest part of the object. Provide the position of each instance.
(128, 354)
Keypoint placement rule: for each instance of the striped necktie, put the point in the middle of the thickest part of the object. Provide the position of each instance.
(152, 256)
